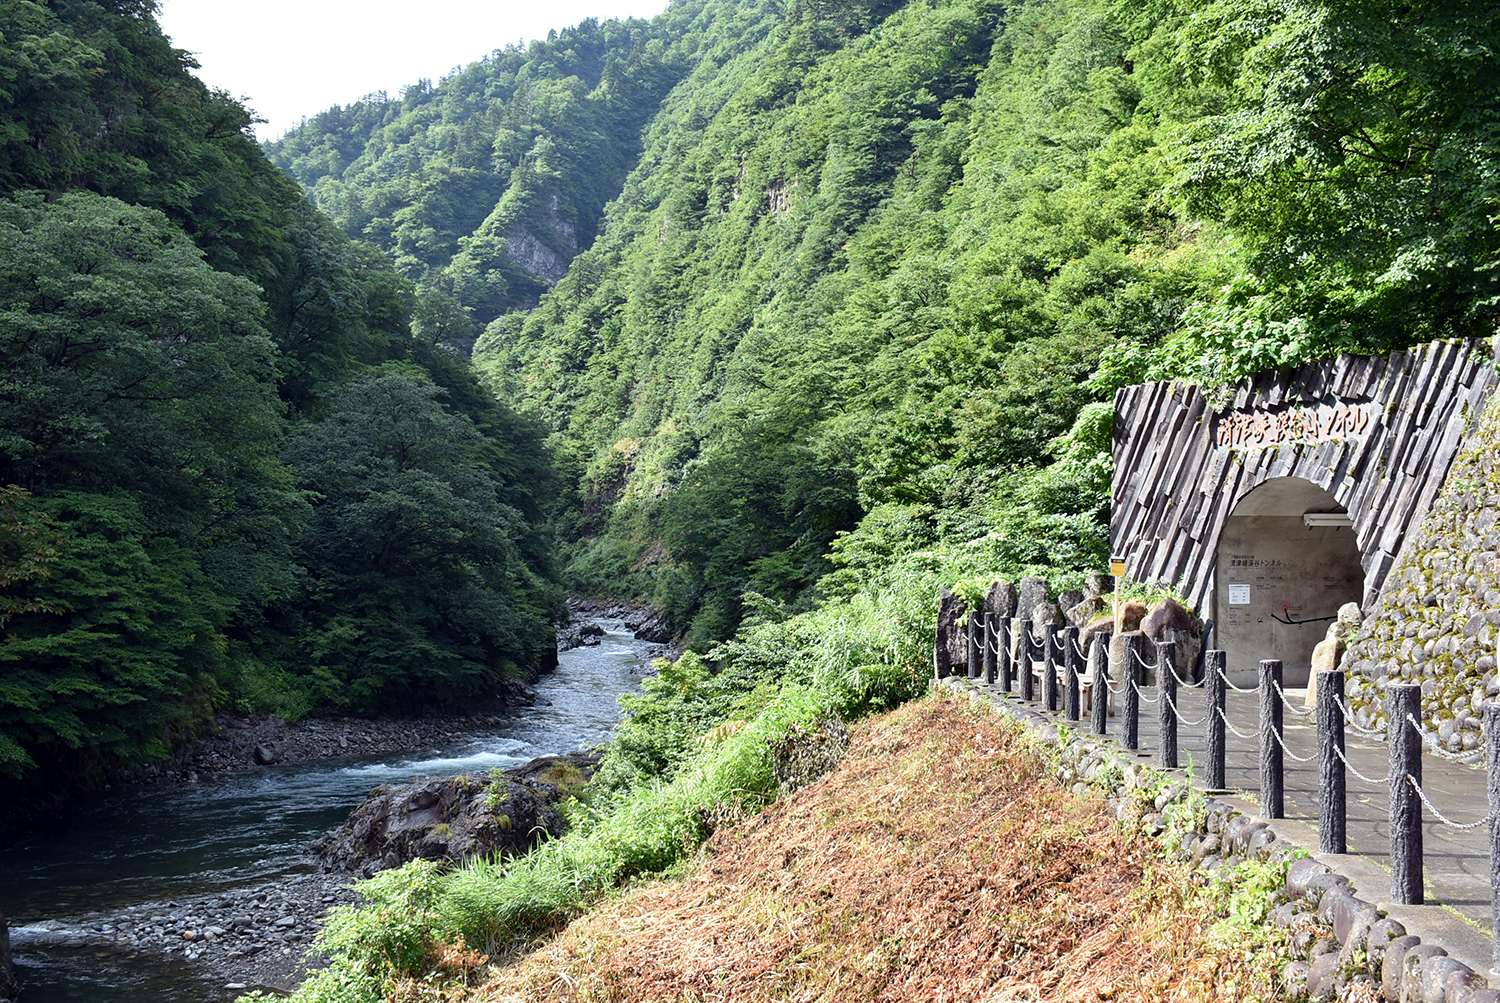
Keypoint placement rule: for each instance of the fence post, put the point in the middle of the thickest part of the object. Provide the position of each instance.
(1166, 699)
(1214, 665)
(1331, 810)
(1049, 668)
(988, 657)
(1002, 653)
(1073, 695)
(1272, 800)
(1132, 725)
(1406, 811)
(1028, 683)
(1492, 774)
(976, 624)
(1099, 670)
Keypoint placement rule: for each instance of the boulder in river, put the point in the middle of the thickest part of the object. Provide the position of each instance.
(579, 635)
(455, 819)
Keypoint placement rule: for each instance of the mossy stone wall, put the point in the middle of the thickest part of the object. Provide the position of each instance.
(1438, 617)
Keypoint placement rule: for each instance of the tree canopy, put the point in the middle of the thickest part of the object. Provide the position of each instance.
(193, 357)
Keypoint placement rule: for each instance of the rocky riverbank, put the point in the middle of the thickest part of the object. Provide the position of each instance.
(238, 744)
(8, 988)
(261, 936)
(580, 630)
(245, 938)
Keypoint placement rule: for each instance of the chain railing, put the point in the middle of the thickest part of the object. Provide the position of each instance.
(1068, 668)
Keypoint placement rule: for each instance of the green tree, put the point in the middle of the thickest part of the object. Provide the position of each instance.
(418, 591)
(139, 405)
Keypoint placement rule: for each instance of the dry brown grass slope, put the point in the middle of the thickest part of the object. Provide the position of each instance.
(939, 862)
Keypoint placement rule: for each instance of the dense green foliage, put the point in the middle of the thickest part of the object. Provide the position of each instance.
(870, 269)
(236, 470)
(484, 187)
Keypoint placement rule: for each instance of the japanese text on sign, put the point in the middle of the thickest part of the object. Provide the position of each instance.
(1257, 429)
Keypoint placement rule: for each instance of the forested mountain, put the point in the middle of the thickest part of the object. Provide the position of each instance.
(876, 260)
(836, 286)
(484, 187)
(879, 273)
(230, 474)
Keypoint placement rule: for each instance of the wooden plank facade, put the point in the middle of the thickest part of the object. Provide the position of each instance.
(1377, 432)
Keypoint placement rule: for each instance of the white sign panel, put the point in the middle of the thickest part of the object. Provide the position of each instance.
(1239, 595)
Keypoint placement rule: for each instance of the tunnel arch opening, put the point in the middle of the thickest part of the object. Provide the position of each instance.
(1286, 560)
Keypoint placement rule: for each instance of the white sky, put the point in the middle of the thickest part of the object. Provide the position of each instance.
(290, 59)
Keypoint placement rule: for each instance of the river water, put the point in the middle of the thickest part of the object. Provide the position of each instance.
(245, 829)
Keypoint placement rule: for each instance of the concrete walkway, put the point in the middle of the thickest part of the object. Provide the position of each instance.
(1456, 862)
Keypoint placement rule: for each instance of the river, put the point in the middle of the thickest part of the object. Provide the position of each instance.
(246, 829)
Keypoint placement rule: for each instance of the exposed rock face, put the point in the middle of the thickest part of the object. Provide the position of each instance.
(457, 818)
(9, 988)
(649, 625)
(1001, 600)
(579, 635)
(950, 608)
(1033, 593)
(525, 249)
(1069, 599)
(646, 623)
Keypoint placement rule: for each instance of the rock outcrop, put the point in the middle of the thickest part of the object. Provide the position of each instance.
(1170, 622)
(579, 634)
(455, 819)
(1001, 600)
(948, 646)
(1033, 592)
(9, 988)
(646, 623)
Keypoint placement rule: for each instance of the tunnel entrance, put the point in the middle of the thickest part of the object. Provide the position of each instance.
(1287, 559)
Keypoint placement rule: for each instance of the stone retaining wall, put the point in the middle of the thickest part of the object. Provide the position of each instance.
(1437, 619)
